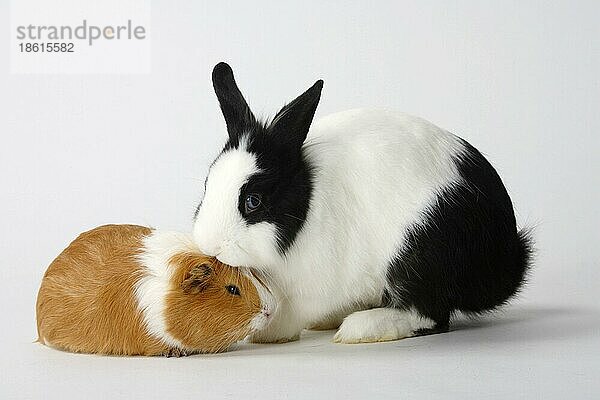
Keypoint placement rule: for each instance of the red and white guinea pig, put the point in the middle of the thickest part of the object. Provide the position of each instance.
(131, 290)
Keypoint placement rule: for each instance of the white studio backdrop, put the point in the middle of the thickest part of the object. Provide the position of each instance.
(518, 79)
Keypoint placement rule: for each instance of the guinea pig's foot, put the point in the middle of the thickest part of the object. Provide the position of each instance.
(176, 352)
(381, 325)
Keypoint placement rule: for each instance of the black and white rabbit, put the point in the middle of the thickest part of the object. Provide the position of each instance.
(376, 218)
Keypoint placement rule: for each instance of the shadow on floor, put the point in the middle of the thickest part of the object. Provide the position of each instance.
(530, 323)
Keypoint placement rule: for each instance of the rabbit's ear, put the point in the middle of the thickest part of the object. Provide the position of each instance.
(238, 115)
(290, 125)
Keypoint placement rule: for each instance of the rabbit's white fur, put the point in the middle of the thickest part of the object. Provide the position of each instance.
(219, 228)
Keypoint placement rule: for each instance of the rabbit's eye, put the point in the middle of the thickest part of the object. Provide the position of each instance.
(252, 203)
(233, 290)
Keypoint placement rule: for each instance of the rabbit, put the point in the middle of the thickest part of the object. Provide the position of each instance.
(373, 221)
(131, 290)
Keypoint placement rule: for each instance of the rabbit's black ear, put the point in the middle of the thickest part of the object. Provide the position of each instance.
(290, 125)
(238, 116)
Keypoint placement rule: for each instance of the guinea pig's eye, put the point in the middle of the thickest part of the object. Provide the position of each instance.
(233, 290)
(253, 202)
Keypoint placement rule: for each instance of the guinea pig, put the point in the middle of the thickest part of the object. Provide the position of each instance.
(131, 290)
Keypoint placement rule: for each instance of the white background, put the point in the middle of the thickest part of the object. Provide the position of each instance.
(518, 79)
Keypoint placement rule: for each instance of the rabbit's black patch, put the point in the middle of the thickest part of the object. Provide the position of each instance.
(286, 186)
(285, 182)
(467, 254)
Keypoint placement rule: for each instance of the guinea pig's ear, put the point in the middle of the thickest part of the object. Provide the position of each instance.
(197, 279)
(238, 116)
(290, 125)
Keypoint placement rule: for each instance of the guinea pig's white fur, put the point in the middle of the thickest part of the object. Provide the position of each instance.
(130, 290)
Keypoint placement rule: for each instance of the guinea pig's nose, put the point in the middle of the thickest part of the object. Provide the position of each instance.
(266, 312)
